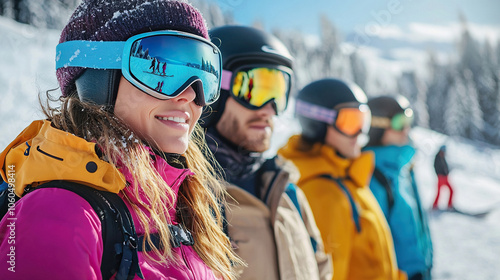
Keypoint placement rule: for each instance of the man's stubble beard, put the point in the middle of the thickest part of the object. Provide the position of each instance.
(231, 130)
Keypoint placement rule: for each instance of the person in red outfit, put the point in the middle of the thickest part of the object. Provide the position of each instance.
(442, 171)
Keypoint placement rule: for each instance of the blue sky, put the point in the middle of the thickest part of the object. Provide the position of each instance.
(349, 16)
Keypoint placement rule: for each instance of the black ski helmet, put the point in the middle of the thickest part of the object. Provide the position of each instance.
(386, 107)
(239, 46)
(327, 93)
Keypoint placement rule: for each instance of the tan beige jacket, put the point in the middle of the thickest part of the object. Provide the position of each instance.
(272, 236)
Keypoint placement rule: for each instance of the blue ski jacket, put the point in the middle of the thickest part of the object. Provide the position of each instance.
(406, 216)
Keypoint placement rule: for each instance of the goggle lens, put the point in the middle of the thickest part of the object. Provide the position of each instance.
(402, 120)
(168, 64)
(255, 87)
(350, 121)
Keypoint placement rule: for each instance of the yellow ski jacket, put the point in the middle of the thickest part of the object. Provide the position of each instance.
(364, 253)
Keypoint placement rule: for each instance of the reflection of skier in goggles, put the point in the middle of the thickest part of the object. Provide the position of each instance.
(153, 64)
(164, 68)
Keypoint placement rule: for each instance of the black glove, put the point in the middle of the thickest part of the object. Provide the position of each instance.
(418, 276)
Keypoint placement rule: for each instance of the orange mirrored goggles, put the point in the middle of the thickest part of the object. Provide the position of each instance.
(349, 121)
(255, 86)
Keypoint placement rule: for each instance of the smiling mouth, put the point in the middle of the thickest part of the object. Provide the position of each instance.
(174, 119)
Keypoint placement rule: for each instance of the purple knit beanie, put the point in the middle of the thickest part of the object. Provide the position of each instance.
(118, 20)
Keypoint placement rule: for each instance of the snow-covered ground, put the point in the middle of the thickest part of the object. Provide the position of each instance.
(27, 67)
(465, 248)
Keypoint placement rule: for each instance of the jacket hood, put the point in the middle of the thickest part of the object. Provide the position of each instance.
(42, 153)
(322, 159)
(392, 157)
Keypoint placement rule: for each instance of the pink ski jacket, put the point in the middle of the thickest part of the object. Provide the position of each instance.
(54, 233)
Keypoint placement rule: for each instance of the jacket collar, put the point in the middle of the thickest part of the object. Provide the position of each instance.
(322, 159)
(237, 162)
(42, 153)
(392, 158)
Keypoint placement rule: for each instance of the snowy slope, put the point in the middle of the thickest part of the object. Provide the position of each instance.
(27, 58)
(466, 248)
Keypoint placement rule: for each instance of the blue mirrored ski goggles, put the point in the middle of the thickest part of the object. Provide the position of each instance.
(161, 63)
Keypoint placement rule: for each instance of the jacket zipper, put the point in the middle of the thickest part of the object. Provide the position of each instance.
(184, 257)
(182, 247)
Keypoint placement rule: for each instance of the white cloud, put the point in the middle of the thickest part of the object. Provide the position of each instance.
(447, 33)
(485, 32)
(419, 32)
(391, 31)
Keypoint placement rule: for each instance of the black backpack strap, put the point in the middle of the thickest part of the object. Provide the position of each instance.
(7, 197)
(118, 231)
(355, 211)
(382, 179)
(127, 247)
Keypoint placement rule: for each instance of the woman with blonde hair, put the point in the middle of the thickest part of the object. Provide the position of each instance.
(114, 132)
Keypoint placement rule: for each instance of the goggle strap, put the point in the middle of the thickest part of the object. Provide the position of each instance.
(90, 54)
(226, 79)
(380, 122)
(315, 112)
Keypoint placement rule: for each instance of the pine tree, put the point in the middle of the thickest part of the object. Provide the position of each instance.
(21, 11)
(304, 70)
(330, 48)
(472, 108)
(412, 88)
(468, 50)
(454, 114)
(498, 55)
(39, 13)
(358, 68)
(487, 82)
(3, 6)
(436, 95)
(213, 14)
